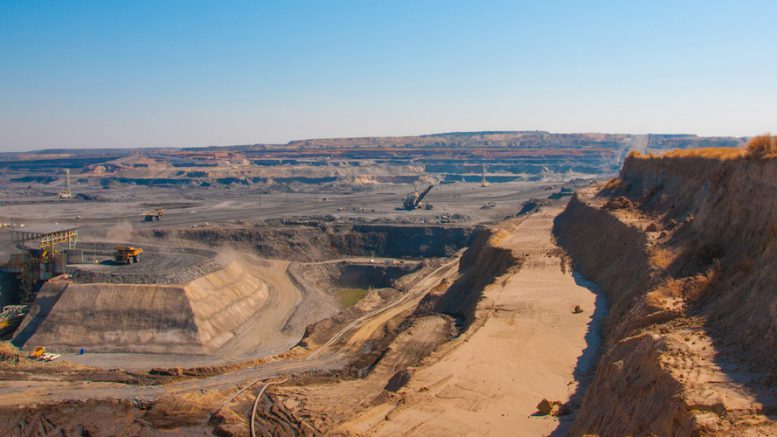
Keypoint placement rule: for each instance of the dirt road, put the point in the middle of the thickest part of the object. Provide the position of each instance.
(524, 346)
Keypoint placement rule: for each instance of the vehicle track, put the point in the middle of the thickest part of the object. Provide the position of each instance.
(252, 419)
(409, 298)
(20, 392)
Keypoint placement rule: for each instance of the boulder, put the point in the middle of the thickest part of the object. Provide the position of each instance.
(545, 407)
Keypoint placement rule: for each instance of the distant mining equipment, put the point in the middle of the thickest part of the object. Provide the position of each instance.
(36, 265)
(154, 214)
(414, 200)
(66, 194)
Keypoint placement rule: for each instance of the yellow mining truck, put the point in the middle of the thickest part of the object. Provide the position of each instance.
(153, 214)
(127, 254)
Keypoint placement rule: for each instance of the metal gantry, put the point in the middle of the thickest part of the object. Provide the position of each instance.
(47, 237)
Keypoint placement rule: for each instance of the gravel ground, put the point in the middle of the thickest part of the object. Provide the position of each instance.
(158, 265)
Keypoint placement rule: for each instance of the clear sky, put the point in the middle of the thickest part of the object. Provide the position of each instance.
(108, 73)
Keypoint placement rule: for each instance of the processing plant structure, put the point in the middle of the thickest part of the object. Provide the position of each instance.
(46, 251)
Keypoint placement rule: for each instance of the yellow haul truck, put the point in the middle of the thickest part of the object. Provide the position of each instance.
(127, 254)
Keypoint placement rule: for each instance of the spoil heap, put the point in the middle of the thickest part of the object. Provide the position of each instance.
(193, 318)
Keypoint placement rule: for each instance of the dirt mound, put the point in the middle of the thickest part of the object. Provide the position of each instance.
(196, 317)
(684, 246)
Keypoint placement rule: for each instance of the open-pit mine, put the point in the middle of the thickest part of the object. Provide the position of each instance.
(488, 283)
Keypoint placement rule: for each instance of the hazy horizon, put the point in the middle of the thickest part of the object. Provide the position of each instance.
(199, 73)
(172, 146)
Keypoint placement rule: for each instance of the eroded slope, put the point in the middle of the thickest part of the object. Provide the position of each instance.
(524, 343)
(685, 248)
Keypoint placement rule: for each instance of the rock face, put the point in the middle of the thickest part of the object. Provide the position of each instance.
(685, 249)
(196, 317)
(480, 264)
(318, 243)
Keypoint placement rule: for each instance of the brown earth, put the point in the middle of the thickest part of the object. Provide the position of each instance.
(325, 241)
(684, 247)
(524, 344)
(195, 318)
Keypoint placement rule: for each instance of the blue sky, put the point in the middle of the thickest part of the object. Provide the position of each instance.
(188, 73)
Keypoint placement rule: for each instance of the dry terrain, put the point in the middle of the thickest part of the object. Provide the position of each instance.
(525, 344)
(286, 291)
(683, 247)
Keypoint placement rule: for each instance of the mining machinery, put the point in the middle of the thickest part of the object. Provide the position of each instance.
(414, 200)
(36, 265)
(126, 254)
(484, 183)
(66, 193)
(153, 214)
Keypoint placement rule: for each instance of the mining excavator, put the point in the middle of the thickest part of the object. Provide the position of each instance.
(127, 254)
(414, 200)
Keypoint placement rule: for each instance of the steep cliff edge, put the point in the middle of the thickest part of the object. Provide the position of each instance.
(685, 247)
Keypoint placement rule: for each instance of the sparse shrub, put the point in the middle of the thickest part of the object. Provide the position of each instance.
(762, 146)
(721, 153)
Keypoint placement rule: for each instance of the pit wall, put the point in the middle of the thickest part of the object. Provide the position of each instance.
(329, 241)
(480, 265)
(629, 392)
(197, 317)
(725, 215)
(344, 274)
(676, 242)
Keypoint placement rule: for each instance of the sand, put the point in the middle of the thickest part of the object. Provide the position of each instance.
(523, 346)
(259, 330)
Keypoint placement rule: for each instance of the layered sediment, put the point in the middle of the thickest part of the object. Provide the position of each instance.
(325, 241)
(684, 247)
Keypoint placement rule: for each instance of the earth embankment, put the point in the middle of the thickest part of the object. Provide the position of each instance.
(196, 317)
(684, 246)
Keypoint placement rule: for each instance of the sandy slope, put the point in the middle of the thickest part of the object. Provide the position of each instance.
(261, 333)
(524, 346)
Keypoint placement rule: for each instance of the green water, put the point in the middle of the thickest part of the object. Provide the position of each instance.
(349, 296)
